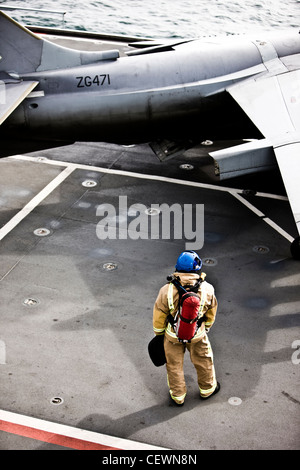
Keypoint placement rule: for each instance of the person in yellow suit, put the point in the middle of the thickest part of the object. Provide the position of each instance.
(188, 270)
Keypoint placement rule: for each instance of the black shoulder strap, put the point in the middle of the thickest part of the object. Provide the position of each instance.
(195, 287)
(176, 281)
(182, 290)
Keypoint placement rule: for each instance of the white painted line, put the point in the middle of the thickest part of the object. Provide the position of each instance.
(165, 179)
(278, 229)
(131, 174)
(260, 214)
(233, 191)
(247, 204)
(14, 221)
(75, 433)
(272, 196)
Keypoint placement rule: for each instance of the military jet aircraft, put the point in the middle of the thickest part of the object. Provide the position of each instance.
(180, 92)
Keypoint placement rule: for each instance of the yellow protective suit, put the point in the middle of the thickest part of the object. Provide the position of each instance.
(199, 348)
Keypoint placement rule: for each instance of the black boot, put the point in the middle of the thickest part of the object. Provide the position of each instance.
(213, 393)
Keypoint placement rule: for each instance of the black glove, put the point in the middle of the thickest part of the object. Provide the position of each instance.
(200, 321)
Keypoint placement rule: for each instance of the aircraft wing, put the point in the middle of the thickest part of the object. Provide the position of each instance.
(288, 158)
(272, 102)
(11, 95)
(150, 47)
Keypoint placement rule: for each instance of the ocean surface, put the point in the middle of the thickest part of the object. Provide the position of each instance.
(162, 18)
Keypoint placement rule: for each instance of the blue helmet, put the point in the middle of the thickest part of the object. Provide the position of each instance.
(188, 262)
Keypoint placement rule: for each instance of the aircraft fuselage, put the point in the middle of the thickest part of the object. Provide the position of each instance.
(143, 97)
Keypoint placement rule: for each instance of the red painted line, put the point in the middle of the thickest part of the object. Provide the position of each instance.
(51, 438)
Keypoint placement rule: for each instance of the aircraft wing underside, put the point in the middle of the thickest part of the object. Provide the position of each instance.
(272, 102)
(288, 159)
(11, 95)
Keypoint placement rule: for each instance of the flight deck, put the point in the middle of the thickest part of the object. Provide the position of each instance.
(76, 310)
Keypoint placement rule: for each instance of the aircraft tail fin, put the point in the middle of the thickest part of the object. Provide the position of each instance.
(22, 51)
